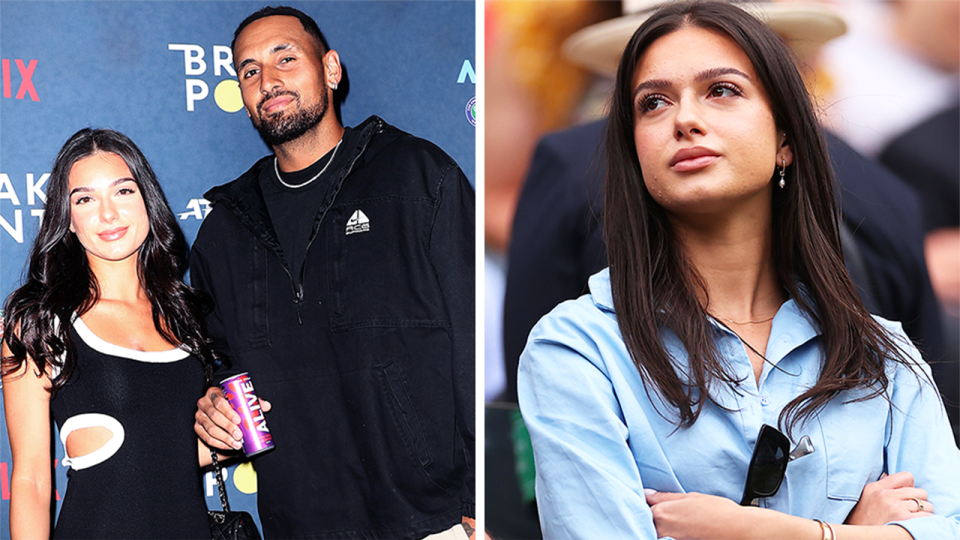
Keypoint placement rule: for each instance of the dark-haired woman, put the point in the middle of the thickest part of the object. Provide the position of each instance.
(726, 307)
(105, 335)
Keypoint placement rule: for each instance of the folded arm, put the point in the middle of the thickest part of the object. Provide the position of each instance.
(693, 516)
(588, 484)
(920, 440)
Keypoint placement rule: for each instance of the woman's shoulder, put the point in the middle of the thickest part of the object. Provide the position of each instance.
(908, 367)
(591, 313)
(586, 326)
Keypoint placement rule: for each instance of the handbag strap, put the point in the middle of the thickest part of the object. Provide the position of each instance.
(220, 484)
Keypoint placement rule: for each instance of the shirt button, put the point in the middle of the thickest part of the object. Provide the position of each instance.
(764, 400)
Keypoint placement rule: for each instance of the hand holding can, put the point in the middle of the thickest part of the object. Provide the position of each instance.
(239, 392)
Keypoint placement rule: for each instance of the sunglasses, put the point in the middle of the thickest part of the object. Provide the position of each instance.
(768, 465)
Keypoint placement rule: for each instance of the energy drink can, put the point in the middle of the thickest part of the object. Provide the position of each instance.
(239, 392)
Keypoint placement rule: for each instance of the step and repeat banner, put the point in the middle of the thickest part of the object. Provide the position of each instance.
(161, 72)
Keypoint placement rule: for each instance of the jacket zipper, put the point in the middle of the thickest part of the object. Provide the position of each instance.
(298, 288)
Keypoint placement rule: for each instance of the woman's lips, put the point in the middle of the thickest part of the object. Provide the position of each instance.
(693, 164)
(113, 234)
(692, 159)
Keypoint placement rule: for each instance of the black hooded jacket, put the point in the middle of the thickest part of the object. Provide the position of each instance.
(369, 363)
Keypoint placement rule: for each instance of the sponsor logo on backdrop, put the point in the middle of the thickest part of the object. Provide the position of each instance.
(197, 63)
(24, 81)
(471, 111)
(12, 221)
(467, 73)
(244, 479)
(196, 209)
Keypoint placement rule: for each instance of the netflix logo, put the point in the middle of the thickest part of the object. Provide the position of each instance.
(24, 71)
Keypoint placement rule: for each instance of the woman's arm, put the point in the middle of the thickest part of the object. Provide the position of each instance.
(892, 498)
(26, 403)
(919, 440)
(693, 516)
(588, 484)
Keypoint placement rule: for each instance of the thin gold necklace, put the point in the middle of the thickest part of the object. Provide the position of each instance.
(768, 319)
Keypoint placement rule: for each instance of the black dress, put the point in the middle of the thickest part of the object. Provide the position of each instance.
(145, 482)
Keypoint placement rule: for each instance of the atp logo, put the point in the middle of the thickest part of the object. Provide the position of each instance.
(226, 94)
(197, 209)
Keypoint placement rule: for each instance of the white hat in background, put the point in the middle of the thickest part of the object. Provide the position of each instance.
(804, 26)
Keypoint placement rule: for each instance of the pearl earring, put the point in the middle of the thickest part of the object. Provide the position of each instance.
(783, 173)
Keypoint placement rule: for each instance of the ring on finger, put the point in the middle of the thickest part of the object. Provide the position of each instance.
(919, 503)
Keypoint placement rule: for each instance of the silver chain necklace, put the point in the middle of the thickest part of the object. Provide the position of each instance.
(296, 186)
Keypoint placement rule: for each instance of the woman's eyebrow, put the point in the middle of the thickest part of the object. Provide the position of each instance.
(719, 72)
(116, 182)
(704, 75)
(652, 84)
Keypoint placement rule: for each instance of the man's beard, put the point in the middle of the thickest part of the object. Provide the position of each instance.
(289, 126)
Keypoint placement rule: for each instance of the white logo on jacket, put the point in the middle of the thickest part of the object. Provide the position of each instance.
(358, 222)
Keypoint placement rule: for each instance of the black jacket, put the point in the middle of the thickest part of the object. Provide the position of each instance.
(369, 365)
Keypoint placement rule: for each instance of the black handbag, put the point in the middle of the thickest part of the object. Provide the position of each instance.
(227, 525)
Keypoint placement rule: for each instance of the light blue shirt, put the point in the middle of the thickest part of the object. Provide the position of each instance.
(600, 437)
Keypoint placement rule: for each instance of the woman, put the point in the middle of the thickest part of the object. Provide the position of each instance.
(726, 307)
(105, 334)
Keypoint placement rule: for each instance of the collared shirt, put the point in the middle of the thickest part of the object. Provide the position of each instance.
(600, 436)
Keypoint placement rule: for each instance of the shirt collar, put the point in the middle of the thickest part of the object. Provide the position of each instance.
(791, 325)
(599, 284)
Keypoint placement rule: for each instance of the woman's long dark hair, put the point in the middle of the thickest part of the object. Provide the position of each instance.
(60, 283)
(655, 286)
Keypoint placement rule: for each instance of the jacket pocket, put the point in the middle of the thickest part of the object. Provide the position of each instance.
(381, 273)
(403, 413)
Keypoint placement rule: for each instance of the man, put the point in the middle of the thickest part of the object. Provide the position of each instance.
(342, 271)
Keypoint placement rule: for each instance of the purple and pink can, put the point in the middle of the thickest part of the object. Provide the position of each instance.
(239, 392)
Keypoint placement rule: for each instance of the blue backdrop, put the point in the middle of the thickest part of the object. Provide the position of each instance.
(161, 73)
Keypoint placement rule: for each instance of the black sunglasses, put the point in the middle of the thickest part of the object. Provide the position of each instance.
(768, 465)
